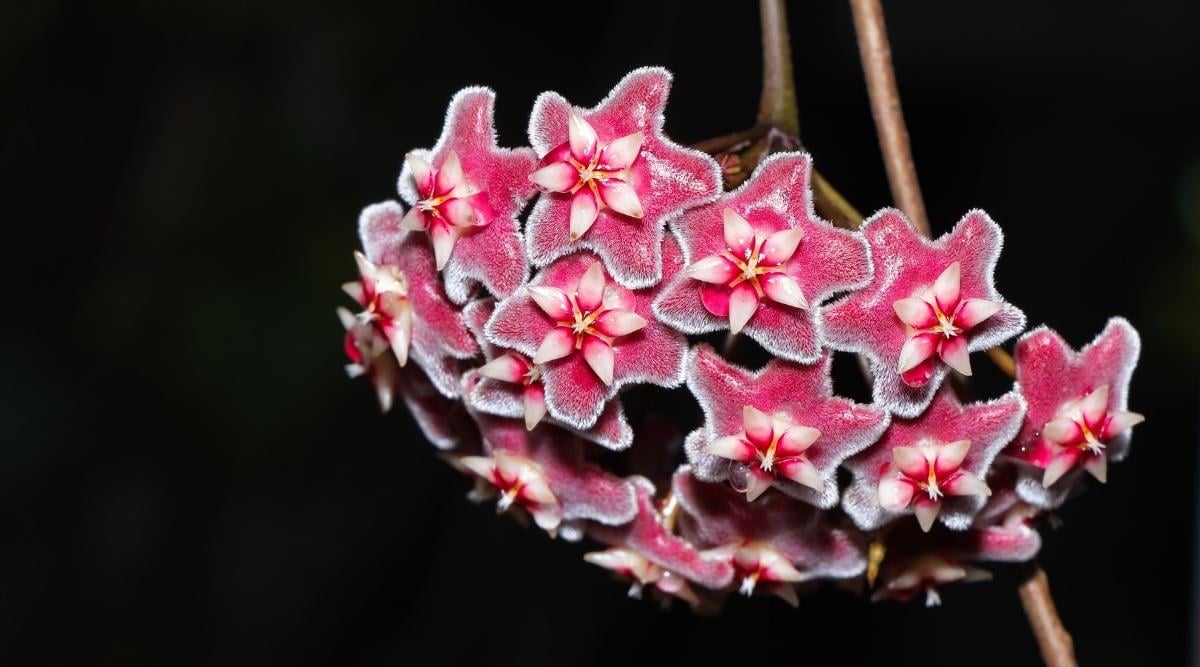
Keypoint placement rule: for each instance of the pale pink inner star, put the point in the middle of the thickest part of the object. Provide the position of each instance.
(770, 446)
(588, 318)
(448, 204)
(1080, 431)
(938, 322)
(923, 474)
(595, 175)
(751, 268)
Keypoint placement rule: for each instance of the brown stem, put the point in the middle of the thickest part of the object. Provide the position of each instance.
(885, 106)
(1053, 639)
(777, 107)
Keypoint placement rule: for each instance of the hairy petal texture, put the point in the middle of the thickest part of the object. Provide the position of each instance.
(1050, 374)
(803, 395)
(512, 399)
(907, 265)
(716, 515)
(647, 534)
(665, 177)
(584, 489)
(777, 197)
(490, 252)
(575, 394)
(989, 426)
(440, 338)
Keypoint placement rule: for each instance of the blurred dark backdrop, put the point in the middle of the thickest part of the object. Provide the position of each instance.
(187, 477)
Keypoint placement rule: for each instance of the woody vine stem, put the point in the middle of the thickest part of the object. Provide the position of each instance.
(778, 127)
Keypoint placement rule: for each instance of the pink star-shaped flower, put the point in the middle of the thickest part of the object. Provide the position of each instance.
(563, 485)
(440, 339)
(780, 425)
(928, 305)
(925, 573)
(778, 540)
(757, 257)
(510, 385)
(1077, 414)
(934, 465)
(611, 179)
(466, 193)
(647, 552)
(589, 335)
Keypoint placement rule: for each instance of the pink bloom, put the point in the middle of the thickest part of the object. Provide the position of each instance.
(510, 385)
(589, 335)
(440, 339)
(780, 422)
(934, 465)
(776, 541)
(610, 178)
(928, 305)
(758, 256)
(466, 193)
(578, 489)
(520, 482)
(1077, 414)
(646, 552)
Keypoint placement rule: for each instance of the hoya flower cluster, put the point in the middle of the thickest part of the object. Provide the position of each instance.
(516, 294)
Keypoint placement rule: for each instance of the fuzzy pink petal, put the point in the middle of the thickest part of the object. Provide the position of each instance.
(946, 288)
(555, 177)
(552, 300)
(620, 153)
(557, 344)
(915, 312)
(584, 210)
(954, 352)
(739, 235)
(743, 303)
(619, 322)
(622, 198)
(582, 137)
(973, 312)
(780, 246)
(713, 269)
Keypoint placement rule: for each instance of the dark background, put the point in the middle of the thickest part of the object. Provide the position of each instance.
(187, 477)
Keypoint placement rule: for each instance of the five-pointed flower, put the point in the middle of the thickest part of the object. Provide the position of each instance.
(439, 338)
(928, 304)
(1077, 407)
(510, 385)
(934, 464)
(589, 335)
(758, 256)
(466, 193)
(611, 179)
(780, 422)
(521, 482)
